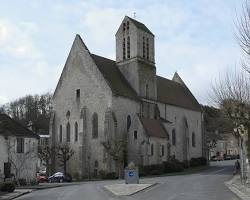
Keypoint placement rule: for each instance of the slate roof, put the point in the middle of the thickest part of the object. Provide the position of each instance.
(154, 128)
(9, 126)
(171, 92)
(140, 25)
(117, 82)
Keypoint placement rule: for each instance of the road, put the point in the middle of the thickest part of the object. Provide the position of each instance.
(205, 185)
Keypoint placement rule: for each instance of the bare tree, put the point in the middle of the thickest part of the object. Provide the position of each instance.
(64, 153)
(45, 153)
(232, 94)
(116, 148)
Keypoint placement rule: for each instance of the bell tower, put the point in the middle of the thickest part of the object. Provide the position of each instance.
(135, 56)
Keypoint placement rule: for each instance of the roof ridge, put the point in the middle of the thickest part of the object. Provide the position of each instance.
(102, 57)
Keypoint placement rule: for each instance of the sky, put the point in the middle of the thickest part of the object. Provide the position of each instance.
(195, 38)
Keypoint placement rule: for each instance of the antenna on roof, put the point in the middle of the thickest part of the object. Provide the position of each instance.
(134, 15)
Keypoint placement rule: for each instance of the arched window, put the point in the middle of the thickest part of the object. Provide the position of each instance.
(96, 164)
(173, 137)
(147, 49)
(124, 26)
(193, 139)
(60, 134)
(95, 125)
(146, 91)
(128, 47)
(68, 132)
(76, 131)
(162, 150)
(152, 149)
(124, 49)
(128, 122)
(143, 47)
(96, 168)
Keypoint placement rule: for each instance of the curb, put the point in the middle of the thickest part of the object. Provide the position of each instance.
(49, 187)
(235, 190)
(22, 194)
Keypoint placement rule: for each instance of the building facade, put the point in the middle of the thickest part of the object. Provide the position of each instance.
(18, 150)
(98, 100)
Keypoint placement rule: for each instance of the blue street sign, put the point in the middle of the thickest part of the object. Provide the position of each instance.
(131, 173)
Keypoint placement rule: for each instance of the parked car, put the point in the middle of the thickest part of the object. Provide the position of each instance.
(228, 157)
(60, 177)
(220, 158)
(214, 158)
(41, 178)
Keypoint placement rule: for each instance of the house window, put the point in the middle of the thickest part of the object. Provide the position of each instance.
(60, 134)
(162, 150)
(135, 135)
(152, 149)
(95, 125)
(20, 145)
(143, 47)
(76, 131)
(68, 132)
(128, 122)
(173, 137)
(147, 49)
(124, 49)
(128, 47)
(146, 91)
(193, 139)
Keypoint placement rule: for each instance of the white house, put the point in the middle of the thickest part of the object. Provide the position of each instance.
(18, 150)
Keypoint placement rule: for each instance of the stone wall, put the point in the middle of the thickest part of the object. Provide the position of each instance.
(80, 72)
(176, 115)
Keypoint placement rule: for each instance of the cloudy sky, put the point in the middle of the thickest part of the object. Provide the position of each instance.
(195, 38)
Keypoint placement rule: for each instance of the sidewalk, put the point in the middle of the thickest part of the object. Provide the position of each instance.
(28, 189)
(15, 194)
(236, 187)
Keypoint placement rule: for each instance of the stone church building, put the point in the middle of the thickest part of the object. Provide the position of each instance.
(99, 100)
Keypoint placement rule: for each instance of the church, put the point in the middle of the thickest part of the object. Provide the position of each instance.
(107, 109)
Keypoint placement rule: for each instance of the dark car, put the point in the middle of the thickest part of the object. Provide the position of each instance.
(60, 177)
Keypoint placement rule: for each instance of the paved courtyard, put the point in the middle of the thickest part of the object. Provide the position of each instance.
(205, 185)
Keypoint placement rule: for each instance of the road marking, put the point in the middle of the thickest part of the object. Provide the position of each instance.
(216, 172)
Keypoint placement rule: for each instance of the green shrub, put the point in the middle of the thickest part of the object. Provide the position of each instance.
(102, 174)
(105, 175)
(7, 187)
(173, 166)
(33, 182)
(22, 181)
(76, 176)
(111, 175)
(194, 162)
(185, 164)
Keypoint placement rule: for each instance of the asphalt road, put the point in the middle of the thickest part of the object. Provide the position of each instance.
(206, 185)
